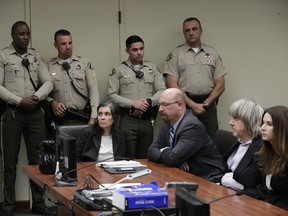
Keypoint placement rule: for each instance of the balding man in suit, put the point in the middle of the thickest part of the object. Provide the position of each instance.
(183, 140)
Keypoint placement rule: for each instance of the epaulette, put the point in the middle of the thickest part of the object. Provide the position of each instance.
(4, 48)
(180, 45)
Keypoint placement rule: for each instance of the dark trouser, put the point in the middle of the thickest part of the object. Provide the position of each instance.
(210, 120)
(31, 125)
(140, 135)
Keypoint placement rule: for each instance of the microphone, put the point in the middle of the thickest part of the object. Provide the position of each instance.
(103, 191)
(26, 63)
(63, 181)
(238, 193)
(66, 66)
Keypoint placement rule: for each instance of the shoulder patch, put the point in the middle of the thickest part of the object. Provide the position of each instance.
(169, 57)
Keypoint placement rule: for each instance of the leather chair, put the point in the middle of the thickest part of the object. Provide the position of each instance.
(224, 140)
(71, 130)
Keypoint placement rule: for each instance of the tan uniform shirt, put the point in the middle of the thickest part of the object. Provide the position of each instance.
(84, 79)
(196, 71)
(15, 83)
(124, 87)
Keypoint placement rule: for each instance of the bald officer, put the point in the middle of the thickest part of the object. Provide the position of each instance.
(74, 82)
(135, 85)
(24, 82)
(197, 70)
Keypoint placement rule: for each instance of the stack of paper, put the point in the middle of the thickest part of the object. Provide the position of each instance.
(121, 163)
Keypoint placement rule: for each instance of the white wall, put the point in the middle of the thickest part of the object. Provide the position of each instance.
(250, 35)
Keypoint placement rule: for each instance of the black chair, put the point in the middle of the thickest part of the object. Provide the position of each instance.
(224, 140)
(71, 130)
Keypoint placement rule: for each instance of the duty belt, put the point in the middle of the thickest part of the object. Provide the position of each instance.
(21, 109)
(197, 98)
(150, 113)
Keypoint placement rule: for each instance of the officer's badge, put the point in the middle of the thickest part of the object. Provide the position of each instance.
(169, 57)
(113, 72)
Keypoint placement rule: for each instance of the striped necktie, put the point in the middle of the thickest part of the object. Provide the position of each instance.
(171, 136)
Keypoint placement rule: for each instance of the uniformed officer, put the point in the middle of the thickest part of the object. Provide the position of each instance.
(74, 84)
(197, 70)
(135, 86)
(24, 82)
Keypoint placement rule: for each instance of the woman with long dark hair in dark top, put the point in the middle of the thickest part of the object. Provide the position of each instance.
(106, 138)
(273, 158)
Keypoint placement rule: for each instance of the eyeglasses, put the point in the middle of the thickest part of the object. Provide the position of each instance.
(165, 104)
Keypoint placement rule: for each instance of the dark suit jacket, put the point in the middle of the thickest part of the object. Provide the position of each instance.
(191, 145)
(248, 172)
(88, 144)
(278, 196)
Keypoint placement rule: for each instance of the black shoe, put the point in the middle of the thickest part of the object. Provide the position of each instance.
(8, 211)
(43, 210)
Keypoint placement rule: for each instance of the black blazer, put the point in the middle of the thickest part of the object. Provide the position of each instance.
(191, 145)
(278, 196)
(88, 144)
(248, 172)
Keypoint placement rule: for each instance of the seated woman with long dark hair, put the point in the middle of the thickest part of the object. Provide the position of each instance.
(273, 158)
(106, 138)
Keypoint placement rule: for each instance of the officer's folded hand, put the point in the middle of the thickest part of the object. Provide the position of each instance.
(28, 103)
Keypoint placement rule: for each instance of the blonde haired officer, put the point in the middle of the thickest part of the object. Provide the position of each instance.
(75, 84)
(135, 86)
(24, 82)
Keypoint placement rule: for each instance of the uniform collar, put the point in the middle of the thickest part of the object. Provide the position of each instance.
(73, 58)
(129, 63)
(187, 48)
(12, 50)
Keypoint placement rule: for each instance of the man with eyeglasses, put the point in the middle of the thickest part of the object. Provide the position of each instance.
(183, 141)
(135, 86)
(198, 71)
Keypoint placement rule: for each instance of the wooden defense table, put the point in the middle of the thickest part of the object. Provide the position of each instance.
(208, 191)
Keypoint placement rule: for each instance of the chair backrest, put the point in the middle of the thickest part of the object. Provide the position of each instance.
(224, 140)
(71, 130)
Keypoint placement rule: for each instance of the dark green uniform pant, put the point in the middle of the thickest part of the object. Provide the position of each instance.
(140, 135)
(210, 120)
(31, 125)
